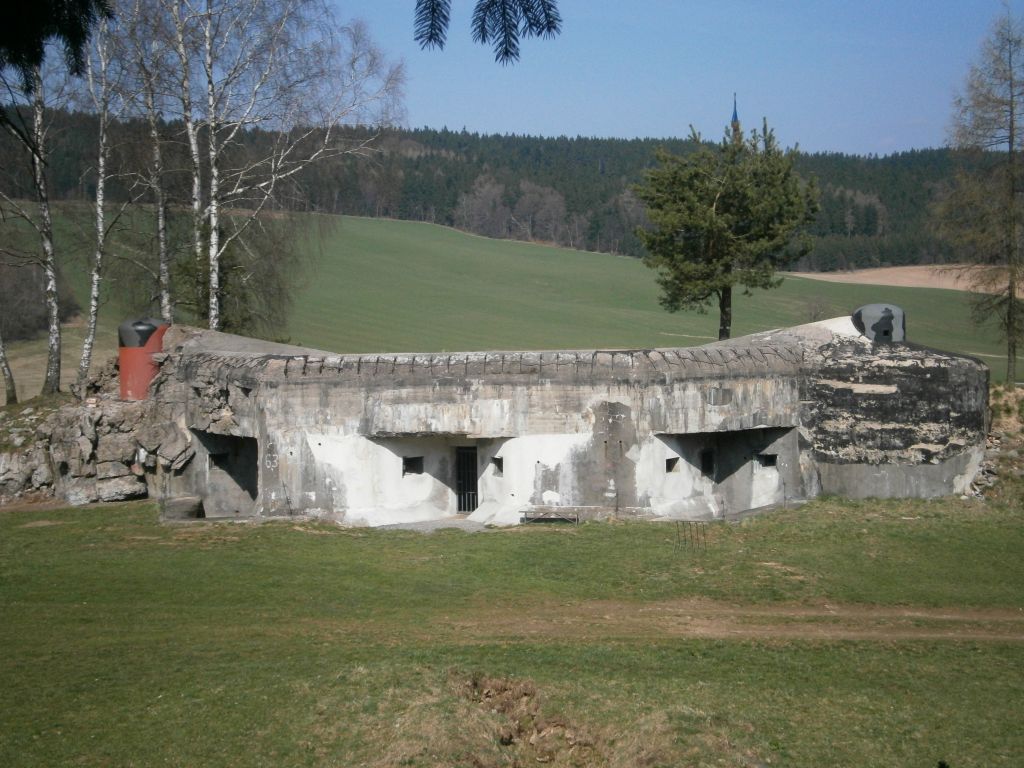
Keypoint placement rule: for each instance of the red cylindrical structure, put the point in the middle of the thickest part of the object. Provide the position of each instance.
(138, 341)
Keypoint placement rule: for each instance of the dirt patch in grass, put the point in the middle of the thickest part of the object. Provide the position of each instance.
(34, 502)
(487, 722)
(708, 619)
(42, 523)
(317, 529)
(204, 536)
(536, 735)
(622, 621)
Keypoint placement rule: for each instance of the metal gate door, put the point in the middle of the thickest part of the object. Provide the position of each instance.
(465, 478)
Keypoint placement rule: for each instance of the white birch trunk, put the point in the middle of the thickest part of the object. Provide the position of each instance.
(96, 275)
(51, 382)
(214, 181)
(149, 43)
(10, 391)
(101, 99)
(163, 254)
(156, 184)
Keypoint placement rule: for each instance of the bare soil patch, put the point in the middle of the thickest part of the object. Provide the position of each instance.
(709, 619)
(542, 736)
(34, 502)
(42, 523)
(948, 277)
(491, 722)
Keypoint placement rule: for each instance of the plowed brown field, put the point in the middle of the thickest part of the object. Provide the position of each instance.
(908, 277)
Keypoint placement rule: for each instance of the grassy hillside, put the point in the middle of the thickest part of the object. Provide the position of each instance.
(837, 634)
(379, 285)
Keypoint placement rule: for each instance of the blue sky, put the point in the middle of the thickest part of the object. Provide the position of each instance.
(858, 77)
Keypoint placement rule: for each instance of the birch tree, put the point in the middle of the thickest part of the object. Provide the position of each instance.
(185, 45)
(105, 91)
(277, 70)
(149, 55)
(29, 125)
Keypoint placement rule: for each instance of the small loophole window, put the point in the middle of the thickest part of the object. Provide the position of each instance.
(412, 465)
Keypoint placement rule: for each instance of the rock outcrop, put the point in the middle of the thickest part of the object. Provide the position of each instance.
(98, 449)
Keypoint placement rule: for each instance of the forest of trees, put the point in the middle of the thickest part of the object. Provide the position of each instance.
(575, 192)
(874, 211)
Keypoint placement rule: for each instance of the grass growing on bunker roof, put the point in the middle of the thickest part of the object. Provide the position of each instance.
(867, 633)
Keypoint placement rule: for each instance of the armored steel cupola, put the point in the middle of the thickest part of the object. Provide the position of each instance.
(882, 323)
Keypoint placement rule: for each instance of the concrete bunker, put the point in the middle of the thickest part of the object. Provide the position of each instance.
(686, 433)
(410, 477)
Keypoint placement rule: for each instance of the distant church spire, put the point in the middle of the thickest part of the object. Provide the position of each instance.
(737, 132)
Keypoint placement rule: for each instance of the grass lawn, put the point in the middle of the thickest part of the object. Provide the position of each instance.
(838, 633)
(377, 285)
(28, 358)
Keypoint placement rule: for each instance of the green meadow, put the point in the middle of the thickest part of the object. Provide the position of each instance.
(835, 634)
(378, 285)
(375, 285)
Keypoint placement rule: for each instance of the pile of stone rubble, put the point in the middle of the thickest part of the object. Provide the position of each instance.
(988, 472)
(97, 449)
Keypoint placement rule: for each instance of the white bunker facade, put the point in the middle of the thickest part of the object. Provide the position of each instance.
(242, 428)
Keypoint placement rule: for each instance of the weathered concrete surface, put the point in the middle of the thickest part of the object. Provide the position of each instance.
(567, 428)
(923, 481)
(894, 420)
(686, 433)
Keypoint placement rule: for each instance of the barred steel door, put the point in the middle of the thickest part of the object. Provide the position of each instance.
(465, 478)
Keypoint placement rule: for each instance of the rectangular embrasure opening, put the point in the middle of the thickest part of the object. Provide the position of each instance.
(412, 465)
